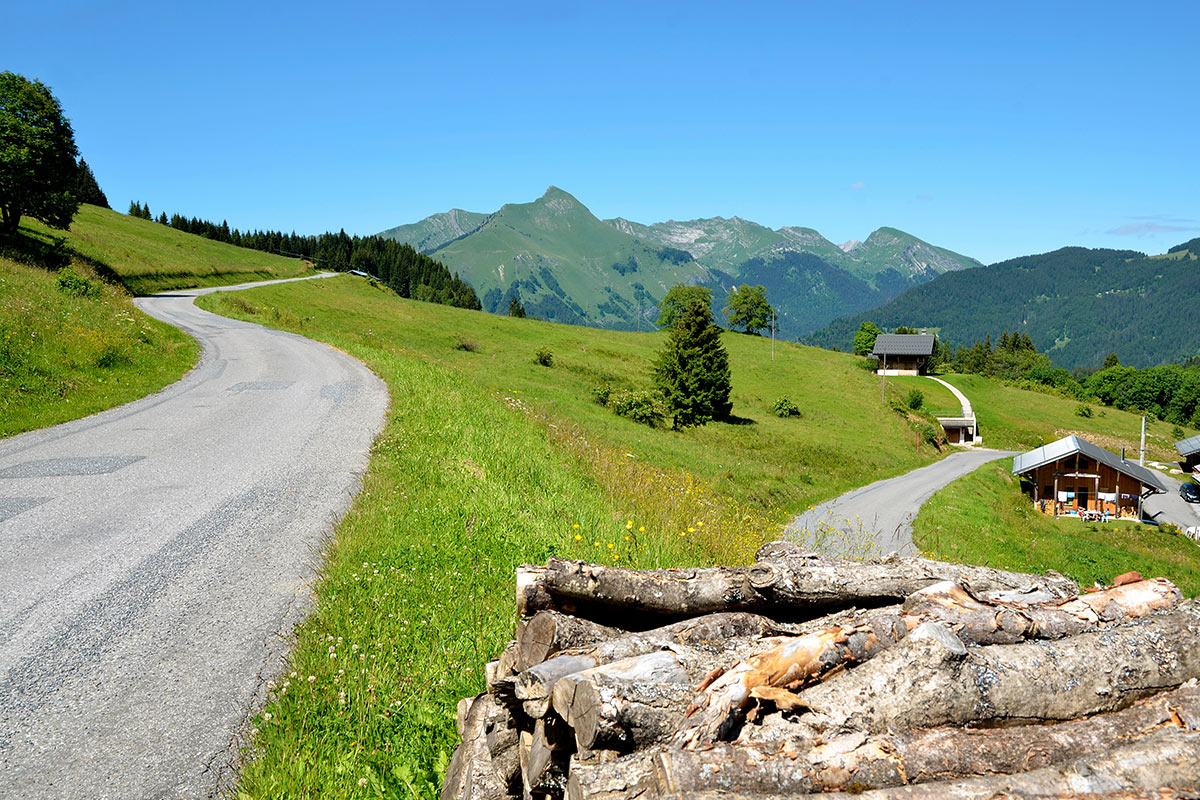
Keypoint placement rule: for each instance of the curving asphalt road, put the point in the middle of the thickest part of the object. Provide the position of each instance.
(877, 519)
(155, 557)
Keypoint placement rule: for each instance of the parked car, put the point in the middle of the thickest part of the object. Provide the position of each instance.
(1190, 492)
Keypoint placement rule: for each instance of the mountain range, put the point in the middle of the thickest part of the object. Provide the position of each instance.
(1076, 304)
(567, 265)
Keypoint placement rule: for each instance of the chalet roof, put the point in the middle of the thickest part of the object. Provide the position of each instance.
(957, 422)
(1187, 447)
(903, 344)
(1070, 445)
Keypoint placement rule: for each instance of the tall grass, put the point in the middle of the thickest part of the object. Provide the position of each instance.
(70, 348)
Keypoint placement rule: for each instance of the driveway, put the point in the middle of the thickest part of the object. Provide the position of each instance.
(1170, 507)
(157, 556)
(877, 519)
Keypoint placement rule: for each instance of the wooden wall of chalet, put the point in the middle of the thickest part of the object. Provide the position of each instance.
(1083, 480)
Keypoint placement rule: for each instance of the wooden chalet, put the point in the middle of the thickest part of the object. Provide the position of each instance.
(1189, 451)
(1074, 476)
(903, 353)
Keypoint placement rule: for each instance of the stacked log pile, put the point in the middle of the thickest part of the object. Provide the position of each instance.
(805, 675)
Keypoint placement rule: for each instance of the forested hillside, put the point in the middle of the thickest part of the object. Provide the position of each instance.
(1076, 304)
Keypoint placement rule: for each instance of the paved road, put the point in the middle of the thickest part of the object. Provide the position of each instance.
(1170, 507)
(154, 558)
(877, 519)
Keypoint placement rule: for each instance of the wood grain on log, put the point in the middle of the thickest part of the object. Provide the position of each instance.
(550, 632)
(469, 775)
(627, 778)
(932, 679)
(783, 762)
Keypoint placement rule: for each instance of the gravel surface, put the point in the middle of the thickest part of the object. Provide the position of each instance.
(877, 519)
(156, 557)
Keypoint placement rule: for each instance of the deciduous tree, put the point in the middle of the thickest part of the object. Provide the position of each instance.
(746, 307)
(864, 340)
(677, 299)
(37, 155)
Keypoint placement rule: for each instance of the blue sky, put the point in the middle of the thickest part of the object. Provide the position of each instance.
(994, 129)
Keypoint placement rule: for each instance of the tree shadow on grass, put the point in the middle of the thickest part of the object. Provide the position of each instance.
(47, 251)
(734, 419)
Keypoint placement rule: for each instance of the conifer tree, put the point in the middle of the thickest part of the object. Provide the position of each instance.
(692, 372)
(87, 190)
(515, 309)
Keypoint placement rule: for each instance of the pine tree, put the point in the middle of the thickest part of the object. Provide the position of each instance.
(87, 190)
(692, 372)
(515, 309)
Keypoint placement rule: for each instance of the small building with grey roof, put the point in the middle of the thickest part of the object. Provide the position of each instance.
(1189, 451)
(1074, 476)
(903, 353)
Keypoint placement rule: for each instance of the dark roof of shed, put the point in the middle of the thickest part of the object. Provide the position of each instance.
(1069, 445)
(1188, 446)
(904, 344)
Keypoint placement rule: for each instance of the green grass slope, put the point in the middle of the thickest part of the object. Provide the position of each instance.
(489, 460)
(985, 519)
(436, 230)
(71, 348)
(148, 257)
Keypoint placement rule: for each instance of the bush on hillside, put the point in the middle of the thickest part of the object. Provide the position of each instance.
(915, 399)
(1083, 410)
(784, 407)
(602, 392)
(646, 407)
(466, 344)
(543, 356)
(72, 283)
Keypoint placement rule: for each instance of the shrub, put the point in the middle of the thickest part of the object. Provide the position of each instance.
(72, 283)
(915, 399)
(1083, 410)
(646, 407)
(929, 433)
(466, 344)
(601, 393)
(869, 364)
(1177, 432)
(543, 356)
(784, 407)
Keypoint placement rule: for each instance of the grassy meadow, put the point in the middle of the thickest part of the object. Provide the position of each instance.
(72, 344)
(1015, 419)
(489, 460)
(984, 518)
(148, 257)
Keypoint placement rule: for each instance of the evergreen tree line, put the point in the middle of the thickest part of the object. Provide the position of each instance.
(396, 265)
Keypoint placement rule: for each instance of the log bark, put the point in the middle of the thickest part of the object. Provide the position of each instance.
(549, 751)
(932, 679)
(792, 586)
(1162, 765)
(469, 775)
(798, 661)
(627, 778)
(790, 762)
(550, 632)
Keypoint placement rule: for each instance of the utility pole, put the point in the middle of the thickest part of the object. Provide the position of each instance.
(1142, 452)
(883, 390)
(639, 299)
(772, 334)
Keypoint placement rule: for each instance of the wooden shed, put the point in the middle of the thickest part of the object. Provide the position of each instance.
(1074, 476)
(903, 353)
(1189, 451)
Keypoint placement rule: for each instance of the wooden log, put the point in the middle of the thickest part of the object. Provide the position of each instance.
(626, 778)
(550, 632)
(792, 761)
(629, 703)
(932, 679)
(549, 751)
(792, 586)
(798, 661)
(502, 737)
(469, 775)
(1165, 764)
